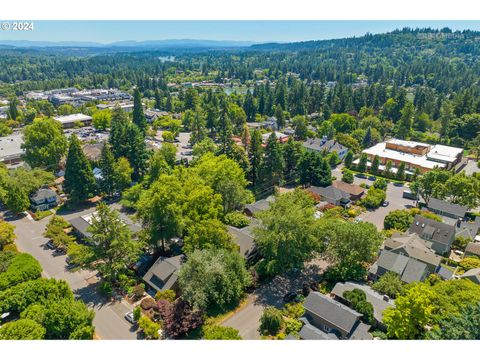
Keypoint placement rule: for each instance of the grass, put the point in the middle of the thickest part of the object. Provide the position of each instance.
(379, 177)
(39, 215)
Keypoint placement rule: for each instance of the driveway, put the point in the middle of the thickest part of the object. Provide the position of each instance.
(394, 197)
(109, 322)
(247, 320)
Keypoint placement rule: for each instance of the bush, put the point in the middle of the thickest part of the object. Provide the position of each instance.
(347, 176)
(375, 198)
(380, 184)
(137, 313)
(22, 267)
(216, 332)
(7, 234)
(236, 219)
(39, 215)
(294, 310)
(469, 263)
(137, 291)
(358, 301)
(292, 325)
(106, 289)
(461, 242)
(389, 284)
(148, 303)
(271, 321)
(149, 328)
(168, 295)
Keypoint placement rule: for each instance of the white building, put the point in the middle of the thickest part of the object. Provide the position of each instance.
(70, 121)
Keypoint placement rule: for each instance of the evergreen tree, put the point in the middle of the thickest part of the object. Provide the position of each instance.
(197, 128)
(292, 152)
(273, 163)
(138, 115)
(107, 164)
(367, 139)
(225, 131)
(401, 171)
(245, 137)
(255, 153)
(79, 180)
(314, 170)
(375, 165)
(169, 104)
(280, 117)
(136, 154)
(13, 108)
(117, 138)
(349, 159)
(362, 165)
(158, 100)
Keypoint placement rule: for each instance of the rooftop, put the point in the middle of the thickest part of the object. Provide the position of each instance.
(163, 273)
(447, 207)
(432, 230)
(66, 119)
(11, 147)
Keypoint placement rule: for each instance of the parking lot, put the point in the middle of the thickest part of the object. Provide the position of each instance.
(394, 197)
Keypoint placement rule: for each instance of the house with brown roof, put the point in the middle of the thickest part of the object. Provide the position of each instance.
(355, 191)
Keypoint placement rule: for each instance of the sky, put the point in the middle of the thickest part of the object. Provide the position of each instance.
(257, 31)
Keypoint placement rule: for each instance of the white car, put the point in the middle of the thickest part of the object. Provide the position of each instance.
(129, 317)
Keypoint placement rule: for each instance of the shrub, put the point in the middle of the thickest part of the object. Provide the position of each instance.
(148, 303)
(294, 310)
(469, 263)
(168, 295)
(138, 290)
(389, 284)
(137, 313)
(375, 197)
(22, 267)
(149, 328)
(236, 219)
(216, 332)
(380, 184)
(292, 325)
(271, 321)
(347, 176)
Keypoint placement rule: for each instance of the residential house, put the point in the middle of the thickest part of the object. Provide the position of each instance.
(281, 137)
(243, 239)
(332, 195)
(44, 199)
(468, 229)
(355, 191)
(324, 145)
(163, 275)
(472, 249)
(81, 224)
(409, 269)
(260, 205)
(378, 301)
(332, 317)
(445, 208)
(439, 234)
(473, 275)
(412, 246)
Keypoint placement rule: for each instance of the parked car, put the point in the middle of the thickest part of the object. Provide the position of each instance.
(50, 245)
(385, 203)
(130, 318)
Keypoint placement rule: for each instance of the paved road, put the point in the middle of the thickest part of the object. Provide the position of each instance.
(394, 196)
(109, 322)
(247, 320)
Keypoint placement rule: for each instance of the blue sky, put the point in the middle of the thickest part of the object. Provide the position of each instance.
(259, 31)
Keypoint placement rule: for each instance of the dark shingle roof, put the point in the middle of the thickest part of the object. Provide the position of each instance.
(310, 332)
(436, 231)
(164, 273)
(414, 271)
(330, 192)
(337, 314)
(42, 195)
(472, 249)
(447, 207)
(243, 239)
(260, 205)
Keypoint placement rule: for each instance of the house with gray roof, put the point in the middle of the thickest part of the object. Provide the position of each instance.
(260, 205)
(472, 249)
(409, 269)
(412, 246)
(324, 145)
(440, 235)
(379, 302)
(473, 275)
(445, 208)
(163, 275)
(332, 317)
(44, 199)
(243, 239)
(332, 195)
(468, 229)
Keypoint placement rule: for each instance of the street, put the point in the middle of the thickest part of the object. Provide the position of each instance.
(394, 197)
(109, 322)
(247, 319)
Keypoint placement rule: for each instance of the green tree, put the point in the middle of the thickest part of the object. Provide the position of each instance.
(465, 326)
(101, 119)
(350, 246)
(289, 233)
(314, 169)
(271, 321)
(280, 117)
(21, 268)
(158, 100)
(367, 139)
(16, 198)
(12, 112)
(198, 128)
(123, 174)
(347, 176)
(362, 165)
(138, 115)
(207, 234)
(348, 159)
(23, 329)
(292, 152)
(107, 182)
(111, 247)
(217, 332)
(273, 163)
(374, 198)
(79, 180)
(7, 234)
(44, 143)
(412, 312)
(389, 284)
(149, 328)
(255, 154)
(401, 172)
(375, 164)
(213, 278)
